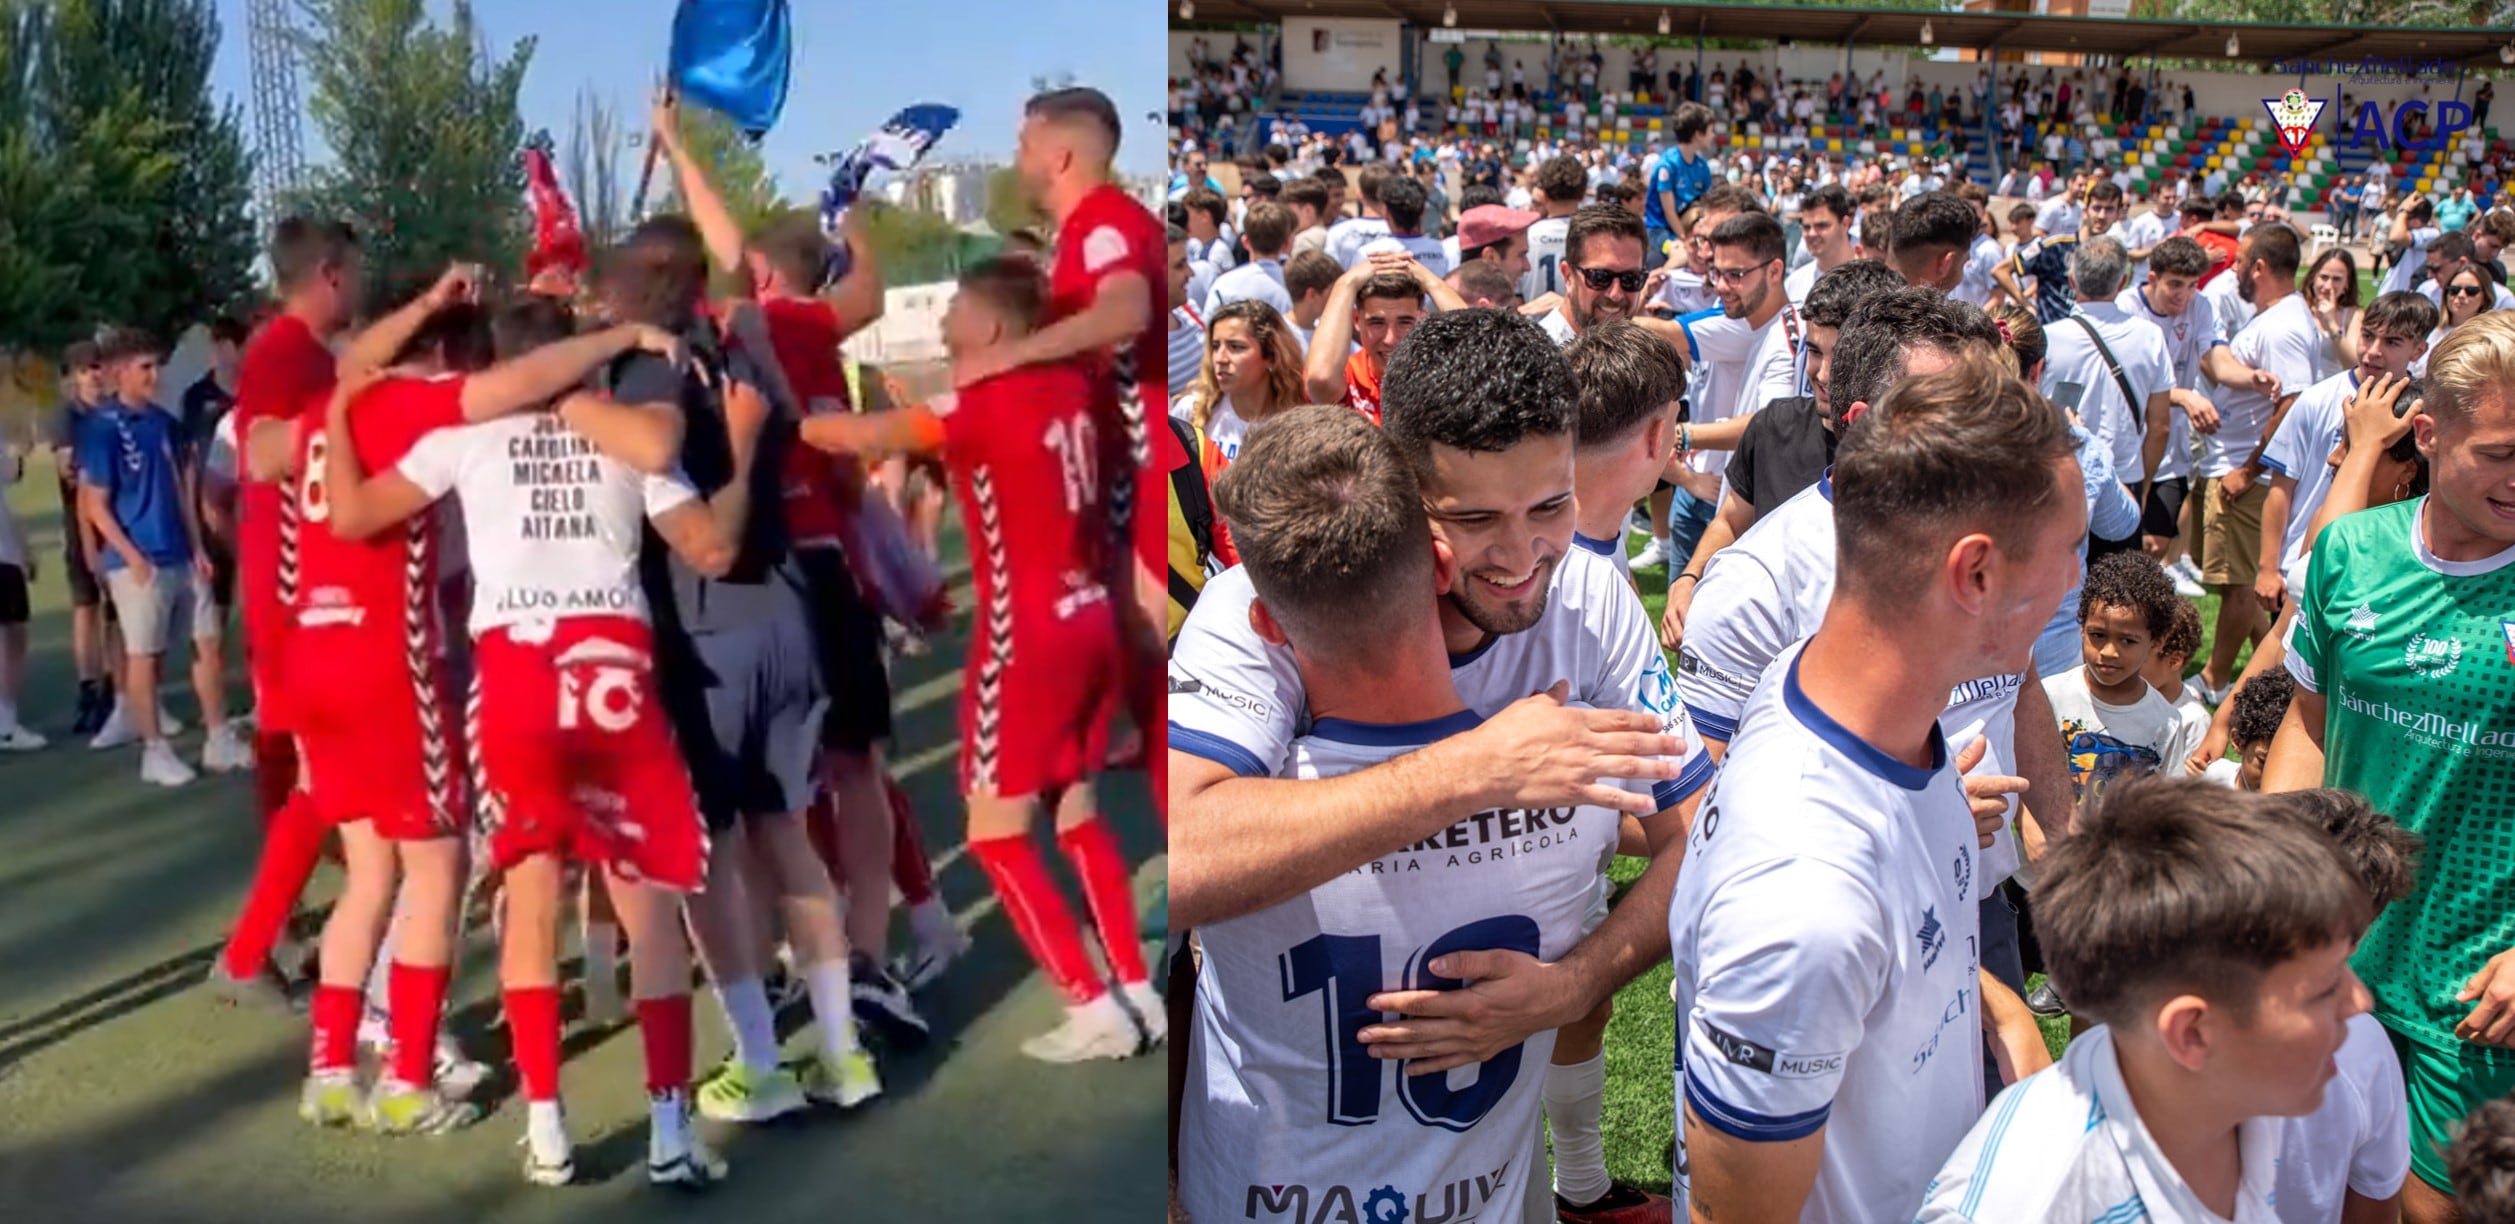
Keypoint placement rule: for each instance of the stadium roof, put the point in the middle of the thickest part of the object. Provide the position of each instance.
(2121, 37)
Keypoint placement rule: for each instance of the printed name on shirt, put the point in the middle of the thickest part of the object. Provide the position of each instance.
(1487, 837)
(556, 466)
(1184, 685)
(1293, 1201)
(1754, 1057)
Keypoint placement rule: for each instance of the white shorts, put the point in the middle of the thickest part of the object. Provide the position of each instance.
(177, 602)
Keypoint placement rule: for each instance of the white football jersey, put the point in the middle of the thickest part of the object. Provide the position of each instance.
(2188, 336)
(2358, 1140)
(554, 525)
(1776, 370)
(1545, 258)
(2302, 449)
(1286, 1115)
(2281, 340)
(2065, 1145)
(1802, 278)
(1686, 293)
(1826, 939)
(1237, 701)
(1768, 591)
(1613, 550)
(1724, 354)
(1986, 254)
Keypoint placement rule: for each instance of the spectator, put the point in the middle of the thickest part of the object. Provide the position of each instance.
(1307, 279)
(2165, 667)
(17, 571)
(94, 647)
(2111, 718)
(135, 485)
(1268, 230)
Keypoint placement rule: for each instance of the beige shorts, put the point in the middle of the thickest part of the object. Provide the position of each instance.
(2230, 551)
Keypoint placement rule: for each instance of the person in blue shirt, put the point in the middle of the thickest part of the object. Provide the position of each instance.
(1678, 177)
(135, 490)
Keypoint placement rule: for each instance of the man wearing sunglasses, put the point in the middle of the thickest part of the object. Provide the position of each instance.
(2448, 255)
(1745, 356)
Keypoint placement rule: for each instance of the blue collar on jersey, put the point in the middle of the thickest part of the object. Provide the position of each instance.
(1825, 484)
(1604, 548)
(1396, 735)
(1862, 753)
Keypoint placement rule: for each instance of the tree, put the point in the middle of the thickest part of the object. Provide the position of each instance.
(915, 247)
(733, 165)
(1009, 207)
(115, 107)
(591, 170)
(424, 129)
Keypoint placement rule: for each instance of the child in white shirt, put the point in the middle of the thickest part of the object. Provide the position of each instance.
(2165, 672)
(2261, 705)
(2208, 933)
(2112, 721)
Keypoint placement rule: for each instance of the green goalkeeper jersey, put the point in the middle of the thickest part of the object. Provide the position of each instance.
(2415, 659)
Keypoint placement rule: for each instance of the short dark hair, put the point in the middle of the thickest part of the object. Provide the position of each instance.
(79, 355)
(527, 322)
(302, 246)
(2405, 314)
(2274, 244)
(1078, 103)
(1933, 219)
(458, 335)
(1012, 285)
(2452, 244)
(123, 344)
(1833, 199)
(2481, 1163)
(2104, 191)
(1730, 198)
(2178, 886)
(2021, 211)
(228, 329)
(2195, 208)
(1208, 201)
(1403, 200)
(1267, 228)
(1615, 193)
(2179, 255)
(2182, 638)
(1601, 221)
(2384, 854)
(1692, 119)
(1311, 269)
(1329, 523)
(794, 245)
(1372, 179)
(1394, 286)
(1305, 191)
(1839, 292)
(1627, 375)
(1869, 357)
(1475, 380)
(1484, 278)
(1966, 449)
(658, 274)
(1562, 179)
(1757, 232)
(1266, 185)
(1477, 195)
(2130, 580)
(2231, 201)
(2261, 705)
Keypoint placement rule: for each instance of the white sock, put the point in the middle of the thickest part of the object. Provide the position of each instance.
(753, 1025)
(8, 716)
(931, 921)
(832, 1005)
(1575, 1096)
(602, 956)
(1661, 539)
(545, 1125)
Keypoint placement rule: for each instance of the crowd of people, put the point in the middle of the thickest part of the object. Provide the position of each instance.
(581, 591)
(1936, 496)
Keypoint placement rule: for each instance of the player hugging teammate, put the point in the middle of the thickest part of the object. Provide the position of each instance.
(669, 660)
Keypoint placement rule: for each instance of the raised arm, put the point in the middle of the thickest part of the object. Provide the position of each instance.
(901, 431)
(375, 347)
(545, 373)
(646, 437)
(1323, 371)
(717, 227)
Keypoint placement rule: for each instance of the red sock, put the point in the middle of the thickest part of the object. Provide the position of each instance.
(1039, 915)
(532, 1019)
(1110, 894)
(289, 850)
(909, 868)
(416, 994)
(664, 1026)
(335, 1012)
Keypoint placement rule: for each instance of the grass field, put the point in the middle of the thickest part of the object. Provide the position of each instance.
(127, 1097)
(1640, 1116)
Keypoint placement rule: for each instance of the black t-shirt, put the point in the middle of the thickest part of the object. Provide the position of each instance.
(1786, 448)
(204, 402)
(743, 596)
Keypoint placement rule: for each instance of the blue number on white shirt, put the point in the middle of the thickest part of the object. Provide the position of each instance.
(1345, 970)
(1546, 274)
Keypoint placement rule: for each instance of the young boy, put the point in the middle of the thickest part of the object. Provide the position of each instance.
(2260, 706)
(2175, 648)
(2111, 719)
(2346, 1160)
(1042, 684)
(135, 491)
(2208, 933)
(2482, 1161)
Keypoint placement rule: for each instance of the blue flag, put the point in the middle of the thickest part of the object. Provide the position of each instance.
(899, 144)
(734, 57)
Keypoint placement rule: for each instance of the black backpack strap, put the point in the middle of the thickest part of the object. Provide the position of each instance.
(2130, 398)
(1196, 505)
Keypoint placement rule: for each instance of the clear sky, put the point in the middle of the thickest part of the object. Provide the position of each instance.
(856, 62)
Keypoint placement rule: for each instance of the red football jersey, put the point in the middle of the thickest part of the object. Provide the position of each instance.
(1108, 234)
(387, 583)
(286, 372)
(1023, 449)
(804, 331)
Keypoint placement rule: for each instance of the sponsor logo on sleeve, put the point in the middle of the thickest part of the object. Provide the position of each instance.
(1754, 1057)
